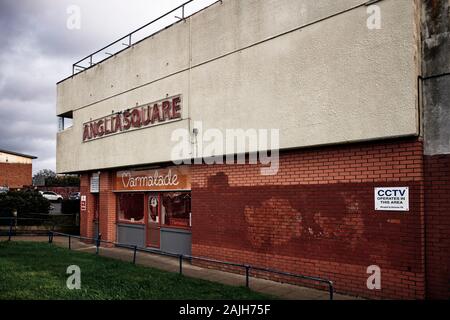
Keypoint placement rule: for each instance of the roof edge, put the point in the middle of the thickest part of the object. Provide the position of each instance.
(18, 154)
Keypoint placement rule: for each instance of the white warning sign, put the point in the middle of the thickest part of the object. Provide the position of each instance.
(392, 199)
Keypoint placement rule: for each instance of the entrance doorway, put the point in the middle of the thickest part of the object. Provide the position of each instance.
(168, 220)
(153, 221)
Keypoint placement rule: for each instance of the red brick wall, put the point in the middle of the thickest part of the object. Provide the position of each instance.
(437, 208)
(317, 217)
(15, 175)
(107, 206)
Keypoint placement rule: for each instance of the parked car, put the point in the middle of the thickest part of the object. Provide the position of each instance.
(4, 190)
(74, 196)
(52, 196)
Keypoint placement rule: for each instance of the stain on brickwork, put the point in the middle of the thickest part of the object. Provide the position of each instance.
(314, 221)
(317, 215)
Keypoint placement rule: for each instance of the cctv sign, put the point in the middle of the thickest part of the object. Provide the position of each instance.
(392, 199)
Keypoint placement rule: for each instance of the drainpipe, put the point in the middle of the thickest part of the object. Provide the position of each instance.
(98, 206)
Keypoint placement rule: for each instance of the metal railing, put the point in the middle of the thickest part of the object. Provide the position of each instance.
(14, 225)
(181, 258)
(30, 226)
(128, 41)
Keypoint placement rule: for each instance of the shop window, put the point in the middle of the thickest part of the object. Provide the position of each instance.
(176, 209)
(131, 207)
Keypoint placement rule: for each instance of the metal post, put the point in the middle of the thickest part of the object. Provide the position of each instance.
(70, 243)
(181, 263)
(98, 243)
(247, 276)
(129, 41)
(134, 255)
(330, 284)
(10, 230)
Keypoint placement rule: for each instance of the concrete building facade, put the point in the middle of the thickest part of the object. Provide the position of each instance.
(361, 111)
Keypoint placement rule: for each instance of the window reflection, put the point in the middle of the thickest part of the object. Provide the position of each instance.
(176, 209)
(131, 207)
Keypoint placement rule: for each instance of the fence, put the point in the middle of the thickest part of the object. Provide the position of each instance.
(35, 224)
(181, 258)
(184, 11)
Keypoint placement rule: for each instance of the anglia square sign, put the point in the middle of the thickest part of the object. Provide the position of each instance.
(392, 199)
(147, 115)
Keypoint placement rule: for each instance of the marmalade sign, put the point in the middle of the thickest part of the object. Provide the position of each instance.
(167, 179)
(148, 115)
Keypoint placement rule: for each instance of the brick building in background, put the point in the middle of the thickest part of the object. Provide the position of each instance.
(363, 114)
(15, 169)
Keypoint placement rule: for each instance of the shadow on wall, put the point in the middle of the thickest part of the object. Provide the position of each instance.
(330, 222)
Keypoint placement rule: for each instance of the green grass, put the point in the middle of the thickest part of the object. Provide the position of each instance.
(38, 271)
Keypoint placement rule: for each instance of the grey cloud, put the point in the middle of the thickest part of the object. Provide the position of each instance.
(37, 50)
(26, 89)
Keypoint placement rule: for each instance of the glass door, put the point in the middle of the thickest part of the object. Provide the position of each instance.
(153, 220)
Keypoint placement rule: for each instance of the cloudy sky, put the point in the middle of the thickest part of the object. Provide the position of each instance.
(38, 49)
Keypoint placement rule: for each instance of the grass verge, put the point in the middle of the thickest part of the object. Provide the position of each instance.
(37, 271)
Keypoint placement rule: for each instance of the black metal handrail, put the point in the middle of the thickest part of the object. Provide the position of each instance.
(17, 226)
(129, 38)
(14, 223)
(14, 220)
(181, 257)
